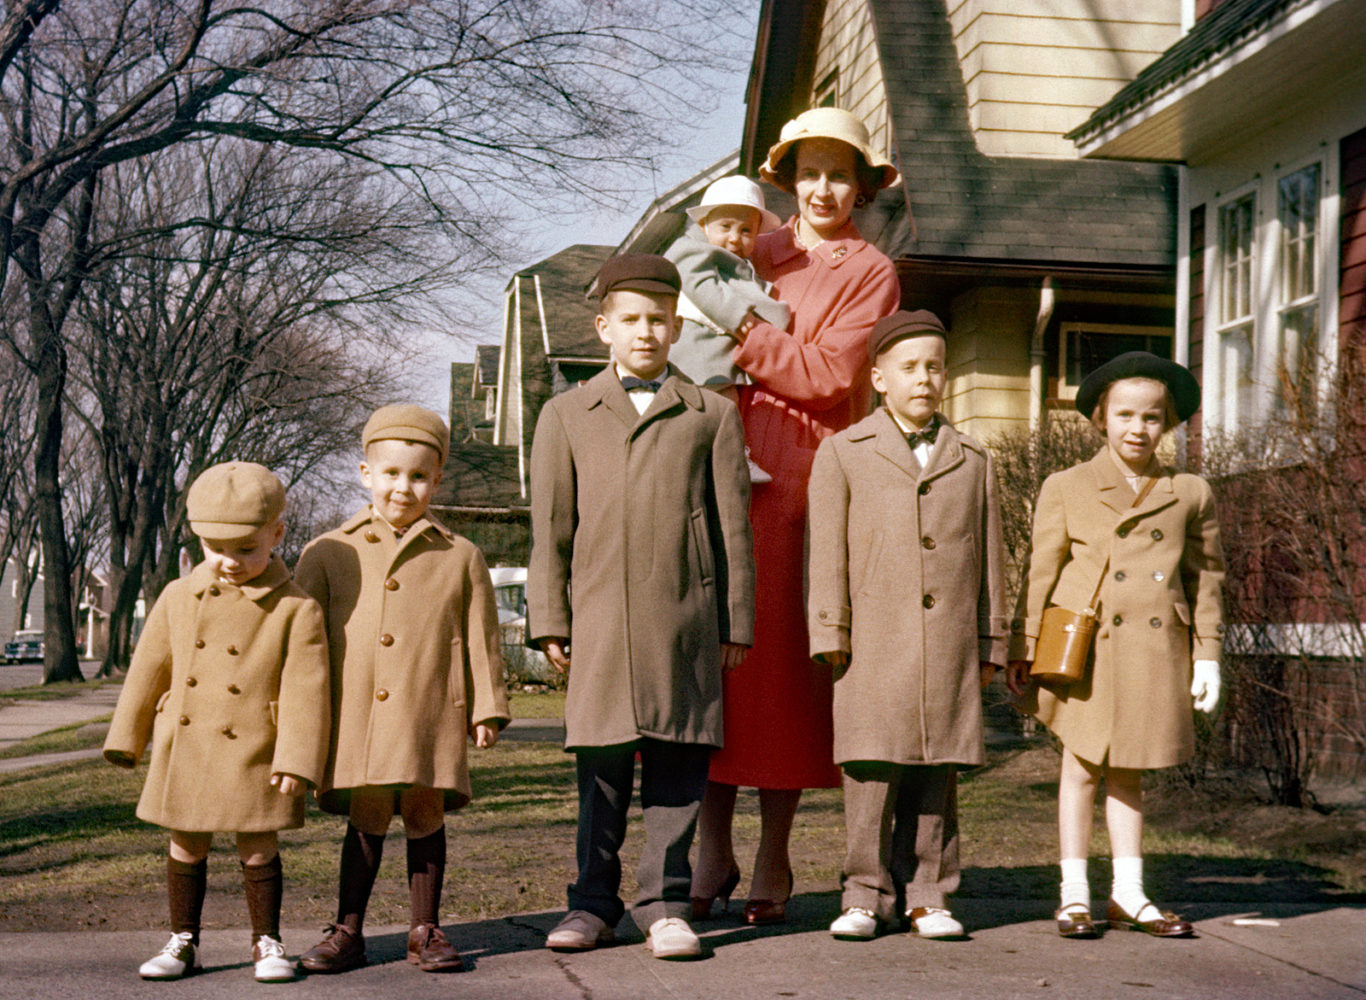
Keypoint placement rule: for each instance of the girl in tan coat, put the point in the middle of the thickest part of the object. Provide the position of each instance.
(229, 686)
(1149, 537)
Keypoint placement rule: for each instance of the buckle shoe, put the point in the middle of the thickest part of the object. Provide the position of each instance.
(272, 966)
(1074, 921)
(1166, 924)
(579, 931)
(178, 958)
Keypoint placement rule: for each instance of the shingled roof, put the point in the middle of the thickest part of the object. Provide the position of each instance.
(1212, 35)
(567, 312)
(480, 476)
(965, 206)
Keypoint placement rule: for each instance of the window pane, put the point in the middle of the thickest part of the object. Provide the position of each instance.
(1235, 241)
(1235, 371)
(1298, 212)
(1298, 375)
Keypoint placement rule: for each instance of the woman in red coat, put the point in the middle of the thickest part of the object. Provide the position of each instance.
(808, 383)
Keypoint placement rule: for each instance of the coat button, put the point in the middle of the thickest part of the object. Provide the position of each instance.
(199, 644)
(232, 650)
(234, 689)
(1155, 622)
(1119, 575)
(1117, 620)
(391, 584)
(227, 731)
(1123, 532)
(386, 639)
(381, 694)
(1157, 534)
(370, 536)
(924, 489)
(1219, 629)
(184, 720)
(1159, 576)
(928, 600)
(190, 682)
(213, 591)
(822, 615)
(927, 541)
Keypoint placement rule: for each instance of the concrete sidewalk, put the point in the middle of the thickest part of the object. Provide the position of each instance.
(1299, 953)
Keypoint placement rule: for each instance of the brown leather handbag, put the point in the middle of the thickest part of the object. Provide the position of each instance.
(1064, 643)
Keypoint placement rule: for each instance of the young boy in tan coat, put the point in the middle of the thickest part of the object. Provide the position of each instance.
(641, 557)
(416, 667)
(229, 686)
(906, 602)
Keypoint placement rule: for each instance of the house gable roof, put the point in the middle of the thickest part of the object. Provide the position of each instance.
(957, 204)
(563, 278)
(480, 476)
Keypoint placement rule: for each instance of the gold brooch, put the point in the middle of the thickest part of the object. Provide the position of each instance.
(838, 252)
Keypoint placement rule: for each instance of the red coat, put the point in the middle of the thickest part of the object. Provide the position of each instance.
(809, 383)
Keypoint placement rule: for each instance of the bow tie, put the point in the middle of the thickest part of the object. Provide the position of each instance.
(629, 382)
(928, 433)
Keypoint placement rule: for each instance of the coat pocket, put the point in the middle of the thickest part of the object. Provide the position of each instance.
(275, 713)
(697, 525)
(161, 702)
(1183, 614)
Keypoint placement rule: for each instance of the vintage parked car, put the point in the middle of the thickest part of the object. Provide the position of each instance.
(27, 644)
(509, 594)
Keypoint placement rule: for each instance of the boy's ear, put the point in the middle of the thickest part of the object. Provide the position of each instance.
(365, 475)
(878, 382)
(279, 534)
(600, 324)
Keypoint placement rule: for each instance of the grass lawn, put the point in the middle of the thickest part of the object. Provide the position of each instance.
(72, 854)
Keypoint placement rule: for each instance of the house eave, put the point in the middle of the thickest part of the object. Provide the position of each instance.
(1224, 96)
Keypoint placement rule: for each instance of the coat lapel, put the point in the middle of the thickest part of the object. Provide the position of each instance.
(947, 453)
(1116, 493)
(891, 444)
(604, 389)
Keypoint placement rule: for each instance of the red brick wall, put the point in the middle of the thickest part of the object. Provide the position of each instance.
(1352, 233)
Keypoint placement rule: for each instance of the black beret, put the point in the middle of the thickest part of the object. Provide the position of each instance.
(638, 272)
(899, 324)
(1140, 364)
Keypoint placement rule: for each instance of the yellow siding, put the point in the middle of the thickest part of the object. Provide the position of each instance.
(988, 391)
(1035, 69)
(847, 45)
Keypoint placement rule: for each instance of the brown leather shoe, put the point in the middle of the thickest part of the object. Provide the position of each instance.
(1167, 925)
(431, 951)
(1076, 922)
(339, 950)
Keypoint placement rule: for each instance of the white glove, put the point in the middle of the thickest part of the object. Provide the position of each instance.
(1205, 685)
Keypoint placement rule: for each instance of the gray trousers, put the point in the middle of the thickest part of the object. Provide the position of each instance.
(901, 830)
(673, 777)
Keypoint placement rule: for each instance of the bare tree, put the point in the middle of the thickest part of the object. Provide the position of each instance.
(463, 103)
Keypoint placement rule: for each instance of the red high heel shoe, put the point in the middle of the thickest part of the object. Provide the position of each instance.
(702, 905)
(759, 912)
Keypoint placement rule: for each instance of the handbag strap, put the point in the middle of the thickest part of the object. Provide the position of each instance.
(1142, 495)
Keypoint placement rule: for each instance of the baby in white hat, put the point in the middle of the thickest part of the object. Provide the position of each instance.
(721, 292)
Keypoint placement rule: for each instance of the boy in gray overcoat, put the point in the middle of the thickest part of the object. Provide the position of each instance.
(906, 603)
(641, 557)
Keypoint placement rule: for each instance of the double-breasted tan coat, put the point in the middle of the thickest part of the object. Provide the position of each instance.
(416, 654)
(1160, 607)
(641, 555)
(905, 575)
(229, 685)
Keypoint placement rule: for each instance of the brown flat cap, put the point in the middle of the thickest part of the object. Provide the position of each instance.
(407, 422)
(638, 272)
(233, 499)
(899, 324)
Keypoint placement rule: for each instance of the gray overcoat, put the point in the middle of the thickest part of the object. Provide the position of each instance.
(641, 556)
(905, 575)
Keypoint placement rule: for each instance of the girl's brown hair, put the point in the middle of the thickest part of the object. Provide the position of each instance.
(1169, 415)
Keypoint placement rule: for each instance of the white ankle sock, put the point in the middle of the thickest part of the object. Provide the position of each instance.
(1076, 890)
(1127, 889)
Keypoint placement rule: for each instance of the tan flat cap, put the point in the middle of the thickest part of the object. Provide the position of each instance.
(233, 499)
(407, 422)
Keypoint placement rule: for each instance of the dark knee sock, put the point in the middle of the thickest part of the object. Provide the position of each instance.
(361, 855)
(186, 884)
(426, 870)
(265, 885)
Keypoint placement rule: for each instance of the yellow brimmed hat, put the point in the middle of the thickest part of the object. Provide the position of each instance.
(233, 500)
(407, 422)
(828, 123)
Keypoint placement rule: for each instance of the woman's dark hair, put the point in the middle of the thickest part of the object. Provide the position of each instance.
(869, 178)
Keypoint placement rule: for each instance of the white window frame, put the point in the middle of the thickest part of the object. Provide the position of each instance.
(1066, 390)
(1221, 413)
